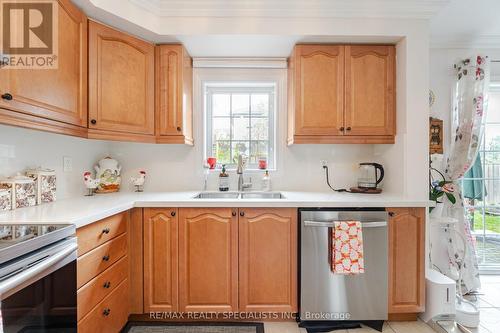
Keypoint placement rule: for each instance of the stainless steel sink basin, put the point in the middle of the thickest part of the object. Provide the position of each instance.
(262, 195)
(217, 195)
(241, 195)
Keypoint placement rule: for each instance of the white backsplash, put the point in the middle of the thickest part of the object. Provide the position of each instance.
(22, 148)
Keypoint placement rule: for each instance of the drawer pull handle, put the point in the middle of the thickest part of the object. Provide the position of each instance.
(233, 213)
(105, 258)
(391, 214)
(106, 311)
(348, 128)
(93, 121)
(242, 213)
(179, 129)
(341, 129)
(105, 231)
(172, 213)
(7, 97)
(107, 284)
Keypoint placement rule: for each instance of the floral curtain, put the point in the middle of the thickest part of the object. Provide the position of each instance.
(469, 111)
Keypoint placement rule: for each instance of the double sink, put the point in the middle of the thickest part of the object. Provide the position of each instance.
(239, 195)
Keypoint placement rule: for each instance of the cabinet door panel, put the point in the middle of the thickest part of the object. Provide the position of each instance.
(319, 89)
(208, 259)
(268, 259)
(160, 259)
(406, 260)
(56, 94)
(370, 102)
(121, 81)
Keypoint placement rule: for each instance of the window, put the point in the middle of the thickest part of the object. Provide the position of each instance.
(481, 189)
(240, 120)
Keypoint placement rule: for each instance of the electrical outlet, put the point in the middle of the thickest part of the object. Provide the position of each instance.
(67, 164)
(324, 163)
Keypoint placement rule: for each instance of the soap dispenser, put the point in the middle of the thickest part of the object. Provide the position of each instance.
(223, 180)
(266, 182)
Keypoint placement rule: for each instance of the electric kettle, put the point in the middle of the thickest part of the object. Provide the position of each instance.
(370, 175)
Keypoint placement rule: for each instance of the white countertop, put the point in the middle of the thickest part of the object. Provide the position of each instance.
(81, 211)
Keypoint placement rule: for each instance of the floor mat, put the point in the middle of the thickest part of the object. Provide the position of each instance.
(154, 327)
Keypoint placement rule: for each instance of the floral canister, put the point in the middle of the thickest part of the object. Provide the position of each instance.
(45, 180)
(5, 198)
(23, 191)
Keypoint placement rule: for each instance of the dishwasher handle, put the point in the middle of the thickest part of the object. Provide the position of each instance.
(373, 224)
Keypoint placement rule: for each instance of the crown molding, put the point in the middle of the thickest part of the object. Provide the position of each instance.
(477, 42)
(416, 9)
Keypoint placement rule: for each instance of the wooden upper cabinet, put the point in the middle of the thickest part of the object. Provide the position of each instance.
(406, 260)
(369, 84)
(121, 85)
(268, 259)
(174, 72)
(341, 94)
(208, 259)
(52, 99)
(318, 88)
(160, 259)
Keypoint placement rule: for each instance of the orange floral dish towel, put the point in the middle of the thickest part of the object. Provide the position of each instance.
(347, 248)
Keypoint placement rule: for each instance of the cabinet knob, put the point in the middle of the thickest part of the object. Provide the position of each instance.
(105, 258)
(93, 121)
(348, 128)
(242, 213)
(105, 231)
(172, 213)
(341, 129)
(7, 96)
(233, 213)
(107, 284)
(106, 311)
(179, 129)
(391, 214)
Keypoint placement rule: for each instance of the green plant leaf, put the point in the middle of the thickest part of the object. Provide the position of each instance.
(451, 197)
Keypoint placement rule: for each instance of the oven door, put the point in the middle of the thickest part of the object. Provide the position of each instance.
(39, 295)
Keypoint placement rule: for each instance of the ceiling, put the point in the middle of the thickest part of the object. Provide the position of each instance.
(267, 28)
(467, 23)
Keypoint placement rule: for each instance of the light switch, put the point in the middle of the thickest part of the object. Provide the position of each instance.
(67, 164)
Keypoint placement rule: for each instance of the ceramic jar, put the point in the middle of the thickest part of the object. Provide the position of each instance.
(23, 191)
(108, 172)
(5, 198)
(45, 180)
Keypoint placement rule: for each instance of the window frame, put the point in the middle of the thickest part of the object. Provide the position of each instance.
(482, 207)
(233, 87)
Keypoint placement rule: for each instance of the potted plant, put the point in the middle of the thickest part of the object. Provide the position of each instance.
(440, 188)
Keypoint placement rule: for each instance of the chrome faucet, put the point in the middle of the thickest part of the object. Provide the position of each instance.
(241, 180)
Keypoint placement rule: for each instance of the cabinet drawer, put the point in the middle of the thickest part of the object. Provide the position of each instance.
(95, 234)
(101, 286)
(110, 315)
(100, 258)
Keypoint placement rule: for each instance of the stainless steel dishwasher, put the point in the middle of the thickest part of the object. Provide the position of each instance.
(325, 296)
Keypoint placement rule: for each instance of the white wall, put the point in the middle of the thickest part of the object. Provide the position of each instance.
(22, 148)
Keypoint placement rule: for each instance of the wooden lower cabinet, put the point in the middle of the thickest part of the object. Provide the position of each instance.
(110, 315)
(208, 259)
(406, 261)
(268, 259)
(103, 295)
(160, 259)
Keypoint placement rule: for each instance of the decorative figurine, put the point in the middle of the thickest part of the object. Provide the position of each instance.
(138, 182)
(108, 171)
(90, 183)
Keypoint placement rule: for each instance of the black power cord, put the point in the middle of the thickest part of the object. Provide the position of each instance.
(328, 181)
